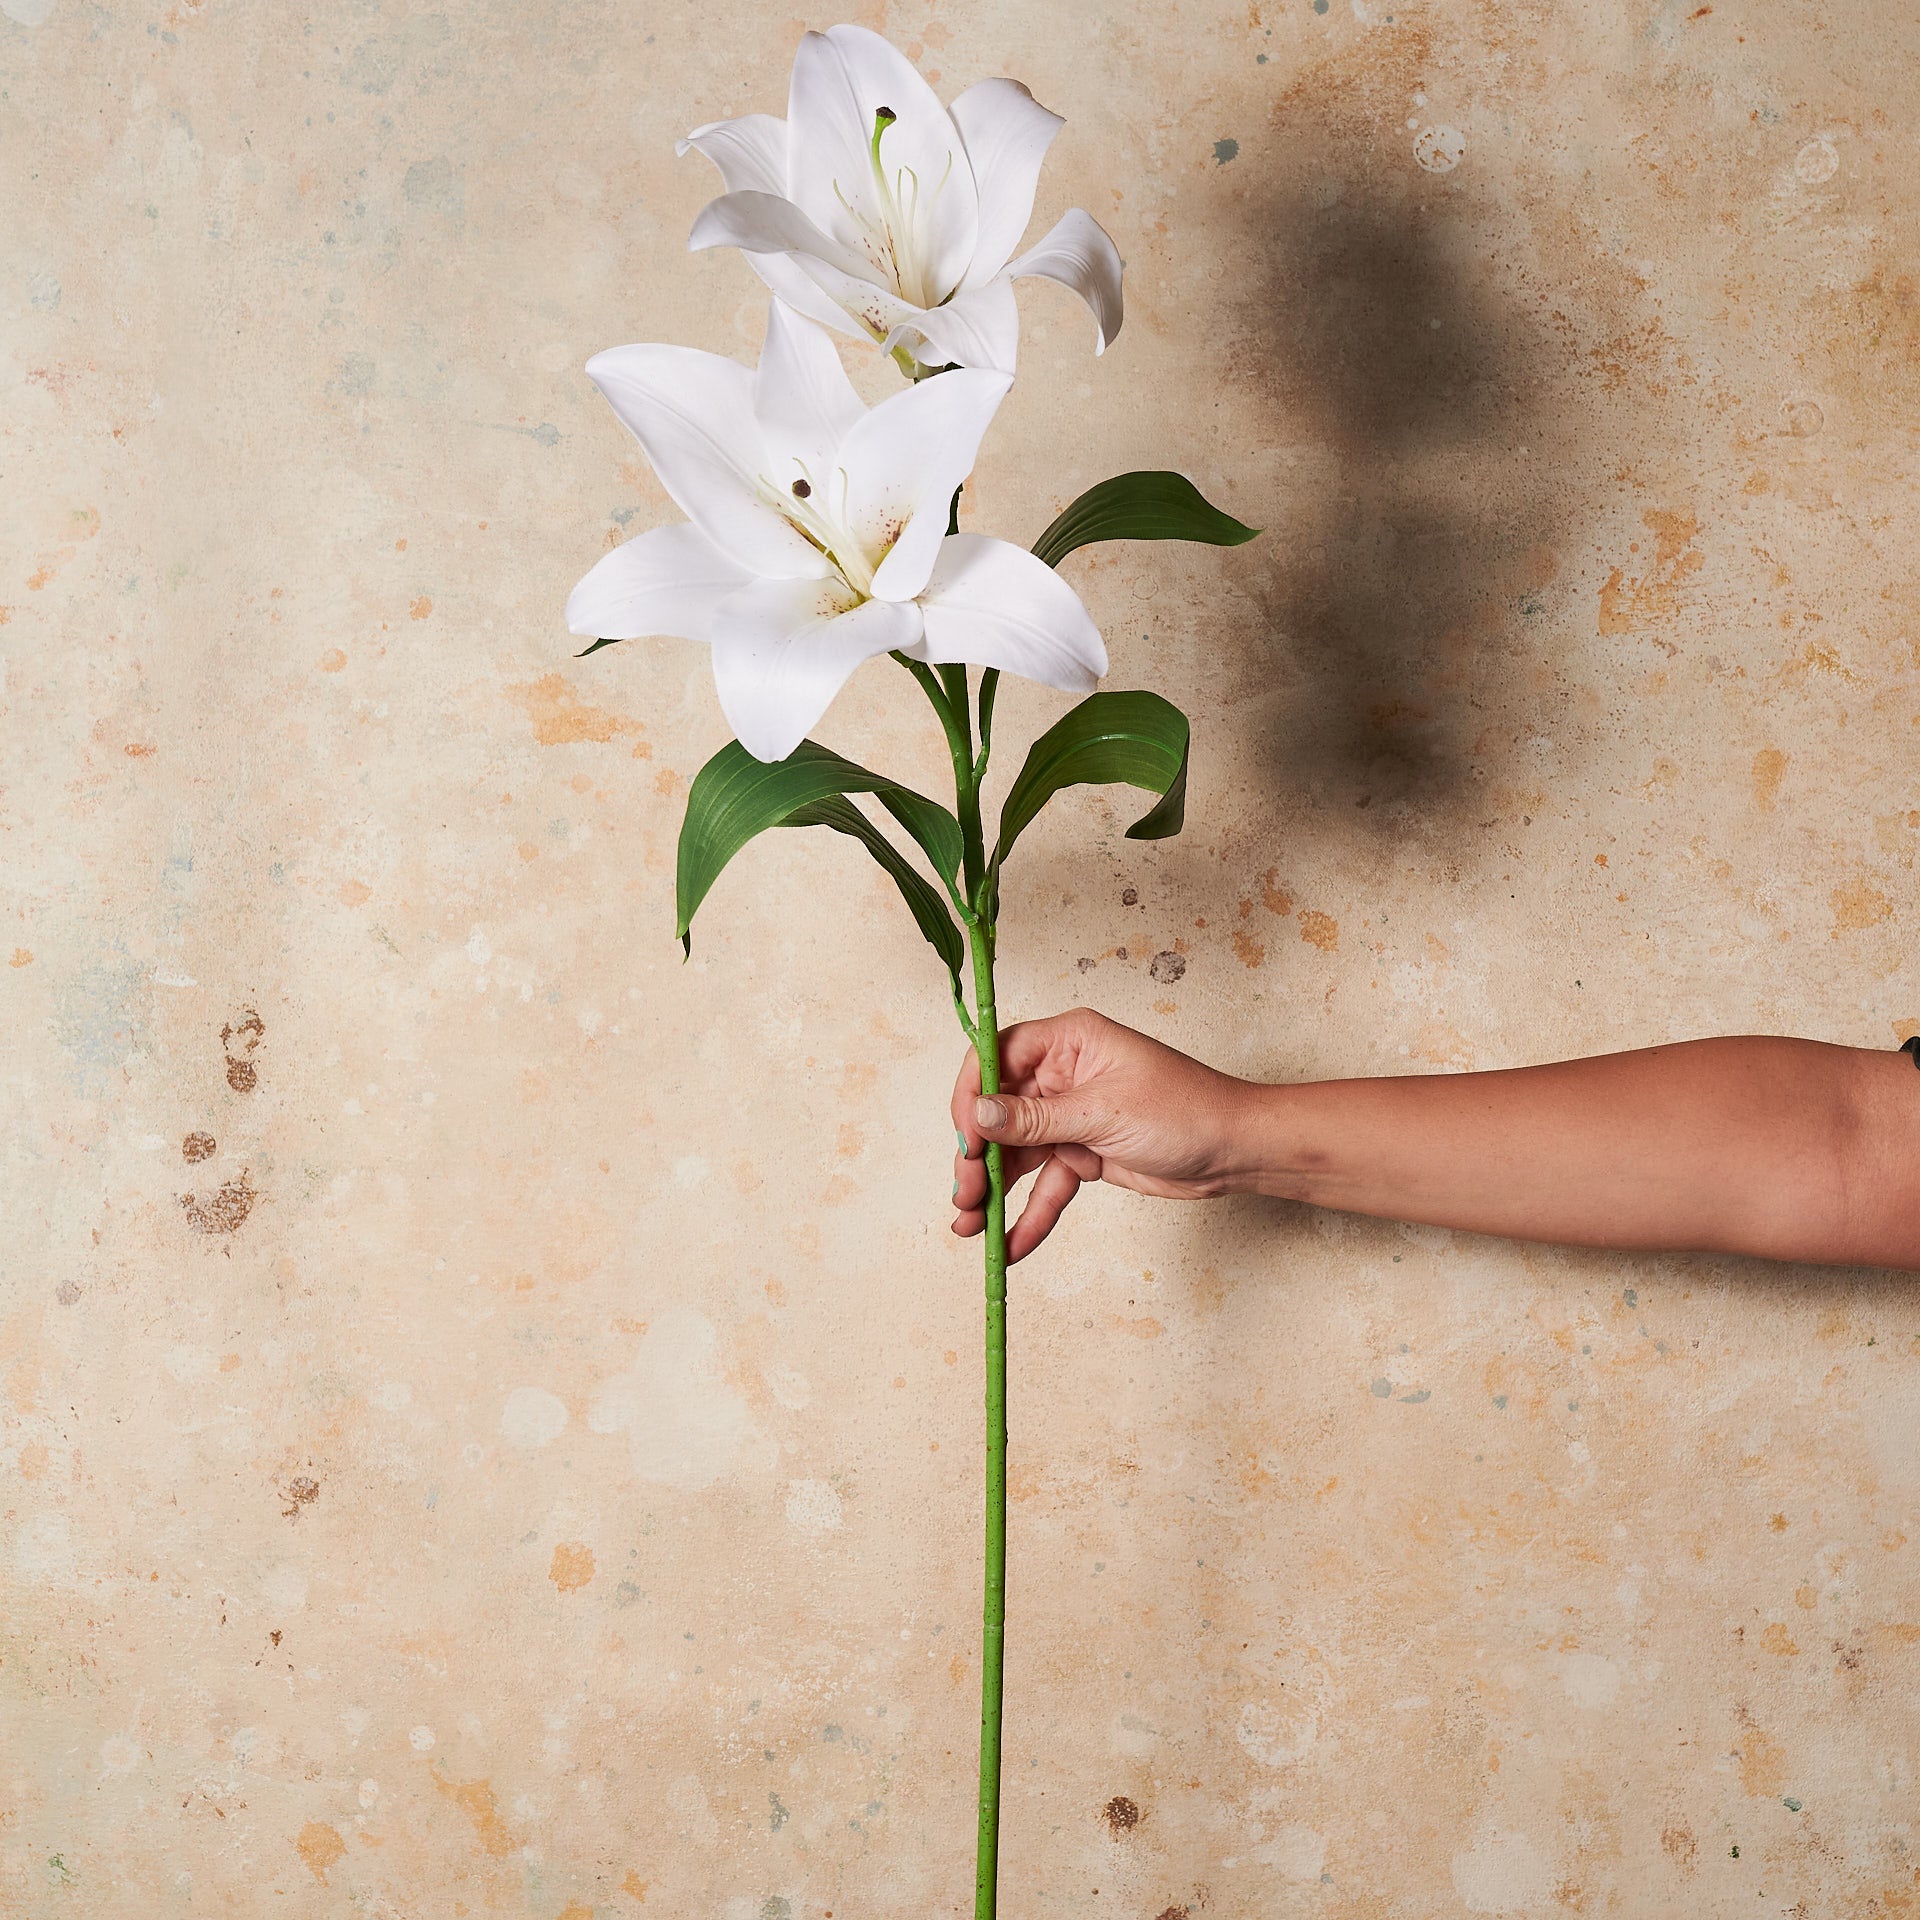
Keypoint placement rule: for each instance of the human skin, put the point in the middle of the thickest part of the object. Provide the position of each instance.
(1785, 1149)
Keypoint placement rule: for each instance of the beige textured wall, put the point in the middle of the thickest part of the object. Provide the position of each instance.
(487, 1414)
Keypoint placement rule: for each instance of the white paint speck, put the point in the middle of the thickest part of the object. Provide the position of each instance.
(356, 1720)
(1276, 1735)
(421, 1739)
(684, 1424)
(689, 1170)
(188, 1363)
(479, 947)
(1440, 149)
(369, 1792)
(1503, 1872)
(789, 1388)
(813, 1506)
(285, 1586)
(532, 1417)
(1296, 1853)
(1817, 161)
(1590, 1679)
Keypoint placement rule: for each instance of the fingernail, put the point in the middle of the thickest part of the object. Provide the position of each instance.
(956, 1190)
(966, 1152)
(988, 1114)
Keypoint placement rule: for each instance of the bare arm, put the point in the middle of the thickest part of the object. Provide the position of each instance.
(1789, 1149)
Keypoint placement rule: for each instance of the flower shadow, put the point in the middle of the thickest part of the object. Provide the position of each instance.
(1424, 407)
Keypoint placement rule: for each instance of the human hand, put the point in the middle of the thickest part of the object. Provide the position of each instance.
(1084, 1098)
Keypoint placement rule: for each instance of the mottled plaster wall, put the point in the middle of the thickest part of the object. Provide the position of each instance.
(487, 1413)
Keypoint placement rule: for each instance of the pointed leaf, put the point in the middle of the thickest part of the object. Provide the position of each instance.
(924, 901)
(604, 641)
(1135, 738)
(1140, 506)
(734, 797)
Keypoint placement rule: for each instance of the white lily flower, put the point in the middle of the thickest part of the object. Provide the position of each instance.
(816, 534)
(877, 211)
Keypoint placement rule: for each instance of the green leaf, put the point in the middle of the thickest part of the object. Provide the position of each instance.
(1140, 506)
(924, 901)
(735, 797)
(603, 641)
(1138, 739)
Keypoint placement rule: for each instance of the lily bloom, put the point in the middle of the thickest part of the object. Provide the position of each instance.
(876, 211)
(816, 532)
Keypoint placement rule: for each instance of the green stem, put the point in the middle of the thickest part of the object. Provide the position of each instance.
(993, 1621)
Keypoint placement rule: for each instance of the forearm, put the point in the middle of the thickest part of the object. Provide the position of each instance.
(1784, 1148)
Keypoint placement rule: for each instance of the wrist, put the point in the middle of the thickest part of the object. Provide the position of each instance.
(1266, 1151)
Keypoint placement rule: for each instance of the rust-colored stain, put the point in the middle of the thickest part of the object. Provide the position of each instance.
(302, 1491)
(1680, 1846)
(332, 660)
(1121, 1815)
(198, 1146)
(420, 608)
(1320, 930)
(1626, 605)
(1763, 1764)
(574, 1910)
(572, 1566)
(239, 1039)
(21, 957)
(1769, 765)
(1857, 906)
(355, 893)
(561, 718)
(319, 1846)
(1776, 1640)
(475, 1799)
(633, 1885)
(1247, 949)
(1274, 896)
(222, 1211)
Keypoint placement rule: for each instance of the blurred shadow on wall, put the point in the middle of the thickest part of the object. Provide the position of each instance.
(1422, 405)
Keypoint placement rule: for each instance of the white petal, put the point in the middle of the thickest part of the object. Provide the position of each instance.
(766, 223)
(1079, 254)
(805, 403)
(693, 414)
(903, 461)
(874, 310)
(783, 648)
(977, 329)
(996, 605)
(1007, 132)
(841, 78)
(750, 152)
(790, 282)
(668, 580)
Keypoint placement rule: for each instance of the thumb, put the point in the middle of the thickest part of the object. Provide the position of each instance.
(1019, 1122)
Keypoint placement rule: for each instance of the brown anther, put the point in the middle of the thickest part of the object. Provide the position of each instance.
(801, 490)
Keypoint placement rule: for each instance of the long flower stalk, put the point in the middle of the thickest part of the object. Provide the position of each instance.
(993, 1617)
(950, 696)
